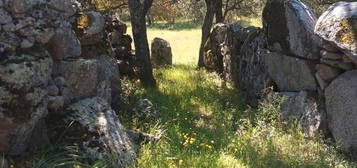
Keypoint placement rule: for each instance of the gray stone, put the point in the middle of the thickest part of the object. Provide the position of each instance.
(45, 36)
(145, 110)
(53, 90)
(329, 47)
(161, 53)
(303, 106)
(101, 135)
(60, 81)
(97, 23)
(65, 6)
(339, 64)
(26, 43)
(338, 25)
(341, 109)
(330, 55)
(327, 73)
(252, 75)
(4, 17)
(322, 83)
(55, 103)
(289, 27)
(64, 44)
(18, 6)
(346, 59)
(88, 77)
(9, 27)
(24, 80)
(1, 3)
(289, 73)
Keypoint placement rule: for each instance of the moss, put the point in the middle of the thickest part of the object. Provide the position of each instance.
(347, 34)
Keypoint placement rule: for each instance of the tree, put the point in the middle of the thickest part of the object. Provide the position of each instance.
(138, 10)
(213, 7)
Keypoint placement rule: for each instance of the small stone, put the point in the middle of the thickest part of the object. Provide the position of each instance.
(10, 27)
(323, 84)
(45, 36)
(21, 24)
(60, 81)
(330, 55)
(26, 43)
(53, 90)
(329, 47)
(18, 6)
(55, 103)
(339, 64)
(4, 17)
(327, 73)
(346, 59)
(1, 3)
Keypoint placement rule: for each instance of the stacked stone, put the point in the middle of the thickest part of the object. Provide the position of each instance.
(120, 43)
(337, 74)
(44, 75)
(26, 66)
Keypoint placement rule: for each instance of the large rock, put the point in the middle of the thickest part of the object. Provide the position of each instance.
(289, 26)
(303, 106)
(214, 49)
(89, 77)
(161, 53)
(338, 24)
(96, 127)
(341, 111)
(290, 73)
(23, 89)
(64, 44)
(253, 77)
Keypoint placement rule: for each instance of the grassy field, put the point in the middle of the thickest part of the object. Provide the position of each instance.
(185, 41)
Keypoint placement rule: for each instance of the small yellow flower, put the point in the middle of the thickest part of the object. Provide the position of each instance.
(180, 162)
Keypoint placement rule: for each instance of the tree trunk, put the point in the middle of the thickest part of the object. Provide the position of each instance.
(206, 28)
(138, 12)
(219, 13)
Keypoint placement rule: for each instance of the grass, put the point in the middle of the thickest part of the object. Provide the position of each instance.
(207, 125)
(184, 43)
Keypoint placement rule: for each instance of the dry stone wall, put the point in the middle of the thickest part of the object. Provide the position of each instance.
(49, 78)
(310, 61)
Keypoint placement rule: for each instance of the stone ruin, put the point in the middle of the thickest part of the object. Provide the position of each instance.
(55, 70)
(310, 61)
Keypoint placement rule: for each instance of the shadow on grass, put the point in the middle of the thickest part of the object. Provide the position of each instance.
(181, 25)
(192, 103)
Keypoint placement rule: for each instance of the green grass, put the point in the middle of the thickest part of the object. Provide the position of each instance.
(206, 124)
(184, 43)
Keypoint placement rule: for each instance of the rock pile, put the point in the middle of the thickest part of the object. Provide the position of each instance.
(310, 61)
(51, 71)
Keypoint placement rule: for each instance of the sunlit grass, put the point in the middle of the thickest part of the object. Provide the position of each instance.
(207, 124)
(184, 43)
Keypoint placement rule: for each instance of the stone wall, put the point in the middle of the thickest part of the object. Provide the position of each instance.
(309, 60)
(55, 70)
